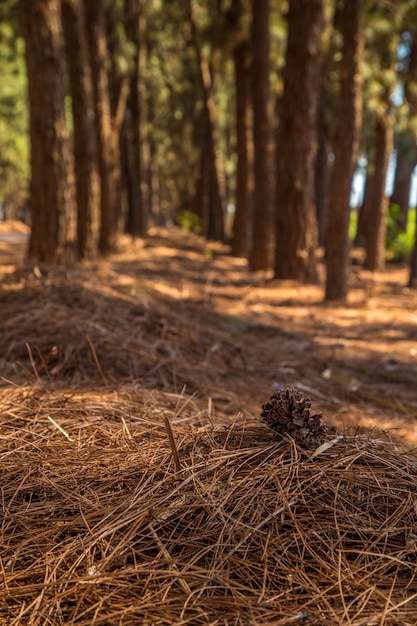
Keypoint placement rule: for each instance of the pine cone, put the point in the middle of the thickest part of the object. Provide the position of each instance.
(289, 412)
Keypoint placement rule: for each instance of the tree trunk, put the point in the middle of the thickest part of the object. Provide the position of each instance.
(244, 150)
(325, 129)
(346, 143)
(363, 224)
(52, 179)
(378, 208)
(412, 281)
(322, 175)
(107, 152)
(296, 215)
(214, 221)
(261, 257)
(138, 200)
(406, 163)
(85, 143)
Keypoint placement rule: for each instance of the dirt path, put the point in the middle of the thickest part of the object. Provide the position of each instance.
(229, 337)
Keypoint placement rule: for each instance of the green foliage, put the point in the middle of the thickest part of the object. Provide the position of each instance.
(353, 223)
(399, 244)
(189, 222)
(14, 150)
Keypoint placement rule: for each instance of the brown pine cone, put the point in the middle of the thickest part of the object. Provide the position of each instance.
(289, 412)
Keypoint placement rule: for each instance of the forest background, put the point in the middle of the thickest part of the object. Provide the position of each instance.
(244, 122)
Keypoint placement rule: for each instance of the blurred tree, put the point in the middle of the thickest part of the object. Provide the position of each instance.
(14, 144)
(241, 236)
(107, 139)
(241, 240)
(346, 143)
(378, 201)
(412, 280)
(85, 142)
(383, 32)
(326, 119)
(213, 196)
(261, 257)
(135, 127)
(296, 235)
(406, 149)
(384, 25)
(52, 186)
(405, 141)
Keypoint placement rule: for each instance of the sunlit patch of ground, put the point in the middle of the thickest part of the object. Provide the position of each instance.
(358, 362)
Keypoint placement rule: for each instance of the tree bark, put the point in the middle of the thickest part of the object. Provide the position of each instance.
(363, 223)
(322, 175)
(52, 179)
(244, 151)
(85, 143)
(213, 221)
(406, 163)
(346, 143)
(296, 227)
(106, 138)
(325, 128)
(137, 216)
(261, 257)
(378, 207)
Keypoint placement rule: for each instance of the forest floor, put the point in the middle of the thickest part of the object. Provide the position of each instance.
(179, 315)
(138, 482)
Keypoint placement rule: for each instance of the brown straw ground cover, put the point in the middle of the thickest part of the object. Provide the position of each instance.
(139, 484)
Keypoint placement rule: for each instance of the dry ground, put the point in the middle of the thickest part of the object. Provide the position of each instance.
(139, 485)
(175, 314)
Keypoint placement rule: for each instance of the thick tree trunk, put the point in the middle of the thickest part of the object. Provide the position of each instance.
(52, 180)
(346, 143)
(296, 214)
(378, 208)
(85, 142)
(244, 150)
(261, 257)
(106, 139)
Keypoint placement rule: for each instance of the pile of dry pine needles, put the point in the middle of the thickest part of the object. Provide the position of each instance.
(118, 512)
(78, 329)
(125, 501)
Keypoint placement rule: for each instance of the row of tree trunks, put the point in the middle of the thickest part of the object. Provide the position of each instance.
(107, 117)
(94, 205)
